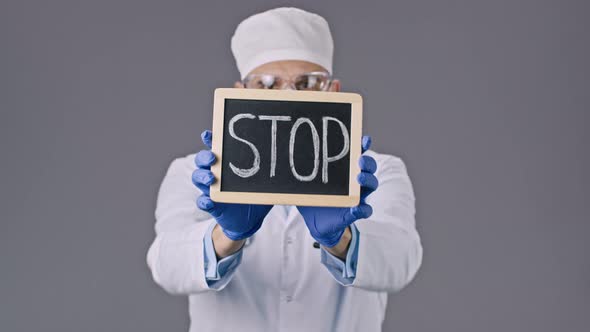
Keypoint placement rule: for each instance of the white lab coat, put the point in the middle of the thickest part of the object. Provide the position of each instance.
(281, 285)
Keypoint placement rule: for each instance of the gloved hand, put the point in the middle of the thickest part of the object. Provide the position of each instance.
(327, 224)
(237, 221)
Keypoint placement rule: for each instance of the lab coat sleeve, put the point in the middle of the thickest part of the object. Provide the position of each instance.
(343, 272)
(218, 273)
(176, 256)
(389, 247)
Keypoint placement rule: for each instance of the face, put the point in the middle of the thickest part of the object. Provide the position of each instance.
(290, 68)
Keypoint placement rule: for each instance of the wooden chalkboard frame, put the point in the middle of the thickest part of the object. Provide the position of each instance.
(356, 102)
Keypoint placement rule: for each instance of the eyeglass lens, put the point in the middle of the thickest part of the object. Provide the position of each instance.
(310, 81)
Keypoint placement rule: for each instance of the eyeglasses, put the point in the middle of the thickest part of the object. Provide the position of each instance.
(312, 81)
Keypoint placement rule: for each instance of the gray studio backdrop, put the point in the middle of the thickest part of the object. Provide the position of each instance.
(486, 101)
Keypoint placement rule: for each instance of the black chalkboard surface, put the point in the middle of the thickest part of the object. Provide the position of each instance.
(286, 147)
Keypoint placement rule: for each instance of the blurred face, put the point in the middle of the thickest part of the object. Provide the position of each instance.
(289, 74)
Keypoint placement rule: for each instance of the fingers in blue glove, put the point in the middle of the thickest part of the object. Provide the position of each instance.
(367, 164)
(205, 203)
(204, 159)
(368, 182)
(207, 190)
(203, 177)
(365, 143)
(360, 211)
(207, 138)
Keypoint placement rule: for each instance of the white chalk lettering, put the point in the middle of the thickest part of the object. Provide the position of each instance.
(241, 172)
(316, 148)
(325, 158)
(273, 138)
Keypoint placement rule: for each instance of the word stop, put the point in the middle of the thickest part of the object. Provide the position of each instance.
(326, 159)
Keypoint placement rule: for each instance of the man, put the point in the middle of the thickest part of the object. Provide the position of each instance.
(260, 268)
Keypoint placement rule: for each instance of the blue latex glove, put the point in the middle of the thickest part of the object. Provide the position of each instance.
(237, 221)
(327, 224)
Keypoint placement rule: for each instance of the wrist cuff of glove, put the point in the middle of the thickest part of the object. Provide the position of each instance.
(332, 240)
(236, 236)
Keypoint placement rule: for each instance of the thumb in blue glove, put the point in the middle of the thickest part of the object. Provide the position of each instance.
(327, 224)
(237, 221)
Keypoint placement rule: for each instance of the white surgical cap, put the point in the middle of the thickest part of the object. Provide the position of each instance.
(282, 34)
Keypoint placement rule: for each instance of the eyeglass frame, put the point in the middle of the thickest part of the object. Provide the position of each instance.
(290, 80)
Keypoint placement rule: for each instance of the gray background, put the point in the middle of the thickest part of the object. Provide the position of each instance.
(486, 101)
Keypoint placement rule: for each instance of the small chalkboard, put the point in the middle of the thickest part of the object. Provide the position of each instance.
(286, 147)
